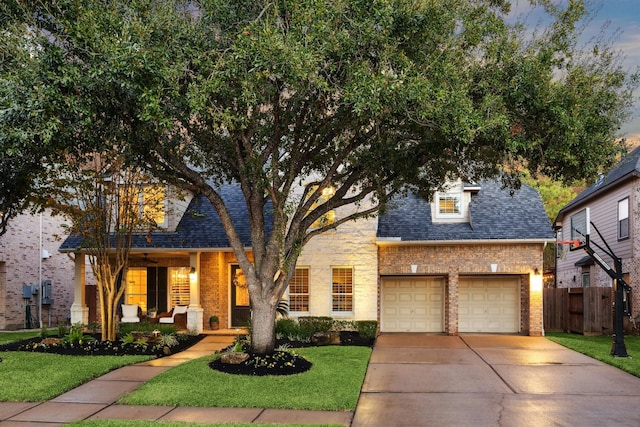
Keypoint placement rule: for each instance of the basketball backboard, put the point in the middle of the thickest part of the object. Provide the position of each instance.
(580, 229)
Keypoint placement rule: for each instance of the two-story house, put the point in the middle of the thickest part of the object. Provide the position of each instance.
(613, 202)
(468, 261)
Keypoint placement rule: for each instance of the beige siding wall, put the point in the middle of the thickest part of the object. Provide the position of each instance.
(20, 263)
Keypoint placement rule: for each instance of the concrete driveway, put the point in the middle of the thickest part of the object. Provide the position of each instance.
(491, 380)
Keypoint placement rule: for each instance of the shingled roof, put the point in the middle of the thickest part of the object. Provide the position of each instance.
(628, 167)
(495, 215)
(200, 227)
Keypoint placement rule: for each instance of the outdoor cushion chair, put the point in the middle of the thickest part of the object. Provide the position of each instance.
(130, 313)
(177, 316)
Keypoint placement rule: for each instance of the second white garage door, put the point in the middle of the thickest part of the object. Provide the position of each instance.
(412, 304)
(489, 304)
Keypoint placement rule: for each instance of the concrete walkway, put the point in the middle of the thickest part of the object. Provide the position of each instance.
(491, 380)
(96, 399)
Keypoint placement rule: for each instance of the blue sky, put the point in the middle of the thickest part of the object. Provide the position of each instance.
(621, 22)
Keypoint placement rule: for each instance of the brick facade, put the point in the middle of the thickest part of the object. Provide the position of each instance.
(20, 265)
(455, 261)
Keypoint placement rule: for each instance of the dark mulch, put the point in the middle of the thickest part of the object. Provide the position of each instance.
(283, 362)
(277, 363)
(96, 347)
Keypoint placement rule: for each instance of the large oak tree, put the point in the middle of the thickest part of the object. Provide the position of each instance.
(289, 98)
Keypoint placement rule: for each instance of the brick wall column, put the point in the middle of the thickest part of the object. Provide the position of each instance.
(451, 303)
(536, 328)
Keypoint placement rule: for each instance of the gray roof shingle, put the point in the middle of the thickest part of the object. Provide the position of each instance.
(200, 226)
(495, 214)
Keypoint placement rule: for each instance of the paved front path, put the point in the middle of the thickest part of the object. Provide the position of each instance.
(491, 380)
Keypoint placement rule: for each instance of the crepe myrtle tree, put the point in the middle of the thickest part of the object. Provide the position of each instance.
(107, 204)
(368, 98)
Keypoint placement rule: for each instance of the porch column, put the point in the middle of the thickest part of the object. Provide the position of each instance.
(536, 322)
(79, 309)
(195, 312)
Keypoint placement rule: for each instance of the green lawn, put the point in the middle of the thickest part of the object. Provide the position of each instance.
(35, 377)
(6, 337)
(599, 347)
(333, 383)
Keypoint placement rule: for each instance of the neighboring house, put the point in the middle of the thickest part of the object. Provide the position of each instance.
(613, 203)
(477, 253)
(28, 256)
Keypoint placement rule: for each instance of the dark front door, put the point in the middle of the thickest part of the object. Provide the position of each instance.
(157, 288)
(240, 306)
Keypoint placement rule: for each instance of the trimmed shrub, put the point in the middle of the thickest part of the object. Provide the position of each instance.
(286, 327)
(315, 324)
(367, 328)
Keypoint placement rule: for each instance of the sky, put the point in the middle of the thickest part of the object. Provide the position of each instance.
(621, 22)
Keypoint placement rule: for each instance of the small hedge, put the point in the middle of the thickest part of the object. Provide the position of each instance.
(165, 329)
(303, 328)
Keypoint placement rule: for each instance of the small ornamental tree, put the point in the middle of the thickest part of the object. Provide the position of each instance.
(315, 105)
(104, 202)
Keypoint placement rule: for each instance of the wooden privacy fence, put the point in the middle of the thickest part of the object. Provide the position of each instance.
(587, 311)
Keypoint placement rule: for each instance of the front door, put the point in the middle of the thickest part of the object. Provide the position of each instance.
(240, 306)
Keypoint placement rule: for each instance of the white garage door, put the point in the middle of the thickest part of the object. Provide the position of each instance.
(488, 305)
(412, 304)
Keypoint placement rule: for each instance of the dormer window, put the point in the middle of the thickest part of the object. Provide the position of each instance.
(449, 205)
(330, 217)
(149, 201)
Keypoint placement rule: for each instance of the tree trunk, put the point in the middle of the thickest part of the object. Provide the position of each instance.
(263, 326)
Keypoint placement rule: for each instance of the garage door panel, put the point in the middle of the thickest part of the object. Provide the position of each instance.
(412, 305)
(489, 305)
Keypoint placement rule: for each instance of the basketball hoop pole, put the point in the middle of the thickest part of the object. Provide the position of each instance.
(618, 347)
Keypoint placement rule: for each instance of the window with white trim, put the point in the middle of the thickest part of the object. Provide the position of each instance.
(179, 286)
(623, 219)
(152, 200)
(299, 290)
(149, 203)
(342, 289)
(136, 287)
(449, 205)
(328, 218)
(559, 246)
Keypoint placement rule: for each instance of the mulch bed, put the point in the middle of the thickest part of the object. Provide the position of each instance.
(278, 363)
(283, 362)
(101, 348)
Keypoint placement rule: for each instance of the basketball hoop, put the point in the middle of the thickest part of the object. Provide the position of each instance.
(573, 243)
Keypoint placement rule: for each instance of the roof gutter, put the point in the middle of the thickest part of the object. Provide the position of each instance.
(397, 241)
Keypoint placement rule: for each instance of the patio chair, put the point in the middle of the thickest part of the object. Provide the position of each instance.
(177, 316)
(130, 313)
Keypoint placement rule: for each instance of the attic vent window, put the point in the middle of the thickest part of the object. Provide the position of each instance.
(449, 205)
